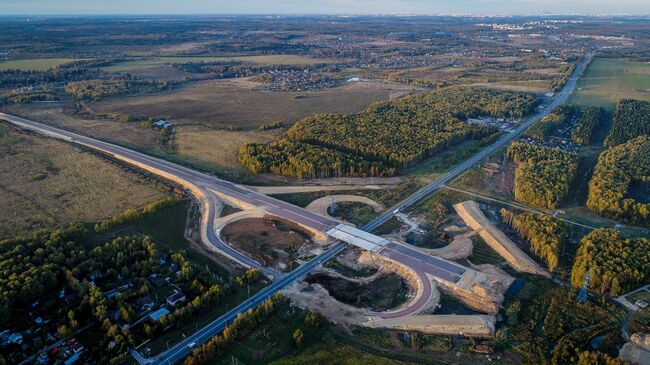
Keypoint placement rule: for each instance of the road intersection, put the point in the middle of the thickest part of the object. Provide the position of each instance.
(202, 186)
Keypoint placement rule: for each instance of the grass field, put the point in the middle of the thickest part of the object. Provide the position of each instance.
(166, 227)
(355, 213)
(272, 343)
(483, 254)
(34, 64)
(607, 80)
(532, 86)
(235, 102)
(441, 163)
(196, 145)
(45, 183)
(127, 134)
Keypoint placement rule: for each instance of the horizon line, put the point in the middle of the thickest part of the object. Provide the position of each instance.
(495, 15)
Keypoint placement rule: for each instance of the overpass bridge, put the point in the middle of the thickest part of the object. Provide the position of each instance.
(202, 185)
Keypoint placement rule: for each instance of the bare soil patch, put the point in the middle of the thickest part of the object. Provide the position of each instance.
(384, 293)
(273, 243)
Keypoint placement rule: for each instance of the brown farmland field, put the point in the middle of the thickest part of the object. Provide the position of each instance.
(216, 150)
(126, 134)
(199, 146)
(45, 183)
(236, 102)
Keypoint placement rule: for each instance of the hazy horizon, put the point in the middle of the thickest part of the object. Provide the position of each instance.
(324, 7)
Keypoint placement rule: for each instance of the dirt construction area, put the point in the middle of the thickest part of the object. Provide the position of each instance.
(46, 183)
(471, 213)
(272, 243)
(384, 292)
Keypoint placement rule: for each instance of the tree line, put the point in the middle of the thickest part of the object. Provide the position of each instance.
(384, 137)
(131, 215)
(76, 70)
(98, 89)
(242, 326)
(543, 175)
(616, 264)
(631, 119)
(233, 69)
(546, 235)
(307, 161)
(612, 185)
(591, 119)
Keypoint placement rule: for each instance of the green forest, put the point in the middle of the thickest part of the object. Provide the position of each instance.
(591, 119)
(631, 119)
(306, 161)
(616, 264)
(620, 181)
(543, 324)
(543, 175)
(35, 269)
(550, 123)
(98, 89)
(385, 136)
(545, 234)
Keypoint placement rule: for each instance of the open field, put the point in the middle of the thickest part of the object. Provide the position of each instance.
(196, 145)
(533, 86)
(166, 227)
(235, 102)
(608, 79)
(355, 213)
(160, 67)
(193, 144)
(126, 134)
(483, 254)
(46, 183)
(34, 64)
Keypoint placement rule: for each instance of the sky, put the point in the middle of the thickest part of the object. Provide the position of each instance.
(428, 7)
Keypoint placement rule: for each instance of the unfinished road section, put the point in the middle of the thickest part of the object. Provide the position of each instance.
(205, 187)
(471, 213)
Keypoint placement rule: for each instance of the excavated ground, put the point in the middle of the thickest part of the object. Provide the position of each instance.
(271, 242)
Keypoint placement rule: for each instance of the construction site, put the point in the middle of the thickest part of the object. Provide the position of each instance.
(371, 283)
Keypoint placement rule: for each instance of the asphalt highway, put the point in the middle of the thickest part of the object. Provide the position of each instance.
(201, 184)
(560, 99)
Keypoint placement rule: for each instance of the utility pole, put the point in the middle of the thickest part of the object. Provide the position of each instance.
(582, 296)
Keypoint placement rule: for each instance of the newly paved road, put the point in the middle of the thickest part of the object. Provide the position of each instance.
(200, 184)
(197, 182)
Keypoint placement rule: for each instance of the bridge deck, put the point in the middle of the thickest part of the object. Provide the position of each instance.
(357, 237)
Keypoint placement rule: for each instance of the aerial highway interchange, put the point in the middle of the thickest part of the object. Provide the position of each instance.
(205, 188)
